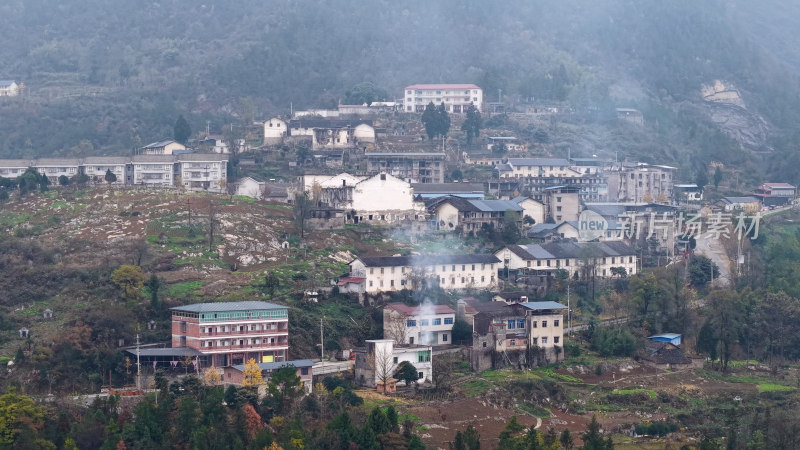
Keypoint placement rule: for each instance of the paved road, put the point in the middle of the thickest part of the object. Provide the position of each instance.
(715, 251)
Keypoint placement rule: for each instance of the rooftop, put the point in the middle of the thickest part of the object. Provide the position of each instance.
(538, 306)
(569, 249)
(406, 310)
(538, 162)
(442, 86)
(426, 260)
(160, 144)
(227, 306)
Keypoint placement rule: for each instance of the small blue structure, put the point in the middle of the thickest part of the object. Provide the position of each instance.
(670, 338)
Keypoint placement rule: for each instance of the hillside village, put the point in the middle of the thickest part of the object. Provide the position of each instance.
(374, 244)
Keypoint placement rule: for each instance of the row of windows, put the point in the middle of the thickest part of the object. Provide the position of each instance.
(419, 92)
(426, 322)
(567, 263)
(444, 268)
(242, 328)
(512, 324)
(250, 341)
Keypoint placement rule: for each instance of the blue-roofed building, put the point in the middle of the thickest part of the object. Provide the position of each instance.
(473, 191)
(230, 333)
(670, 338)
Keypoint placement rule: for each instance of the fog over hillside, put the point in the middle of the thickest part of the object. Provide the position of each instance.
(114, 74)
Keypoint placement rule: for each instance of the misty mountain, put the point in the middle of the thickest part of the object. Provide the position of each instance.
(114, 74)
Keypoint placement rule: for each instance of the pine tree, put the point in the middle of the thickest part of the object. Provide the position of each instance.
(592, 439)
(182, 130)
(472, 124)
(430, 120)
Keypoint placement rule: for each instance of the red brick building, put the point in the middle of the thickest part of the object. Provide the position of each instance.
(231, 333)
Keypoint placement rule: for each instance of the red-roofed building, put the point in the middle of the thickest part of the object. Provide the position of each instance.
(776, 194)
(456, 97)
(426, 324)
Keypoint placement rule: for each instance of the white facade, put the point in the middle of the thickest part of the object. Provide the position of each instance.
(53, 168)
(538, 167)
(275, 130)
(385, 198)
(387, 274)
(456, 97)
(203, 172)
(8, 88)
(96, 167)
(12, 168)
(165, 147)
(153, 170)
(425, 325)
(250, 187)
(382, 358)
(542, 257)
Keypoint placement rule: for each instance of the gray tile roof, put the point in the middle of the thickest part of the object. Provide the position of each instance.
(202, 157)
(107, 160)
(536, 306)
(427, 260)
(446, 188)
(153, 159)
(558, 250)
(159, 144)
(43, 162)
(15, 163)
(538, 162)
(227, 306)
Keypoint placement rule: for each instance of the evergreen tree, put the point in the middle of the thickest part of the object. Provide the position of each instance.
(458, 442)
(391, 416)
(182, 131)
(472, 439)
(592, 439)
(566, 439)
(378, 422)
(415, 443)
(472, 124)
(430, 120)
(717, 177)
(110, 177)
(443, 120)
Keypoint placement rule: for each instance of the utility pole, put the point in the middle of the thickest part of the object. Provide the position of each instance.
(138, 365)
(569, 311)
(211, 213)
(321, 342)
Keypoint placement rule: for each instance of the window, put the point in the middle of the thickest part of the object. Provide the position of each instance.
(394, 359)
(411, 340)
(304, 371)
(558, 208)
(520, 323)
(473, 267)
(555, 340)
(534, 324)
(381, 270)
(512, 324)
(437, 321)
(420, 375)
(448, 320)
(454, 267)
(424, 323)
(513, 342)
(183, 327)
(391, 283)
(444, 337)
(555, 323)
(424, 356)
(544, 339)
(544, 324)
(444, 268)
(411, 323)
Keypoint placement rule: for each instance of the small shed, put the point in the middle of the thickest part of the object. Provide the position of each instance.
(24, 332)
(47, 314)
(669, 338)
(388, 387)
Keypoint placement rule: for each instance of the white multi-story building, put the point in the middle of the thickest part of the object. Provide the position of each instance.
(537, 168)
(12, 168)
(203, 171)
(153, 170)
(574, 257)
(456, 97)
(53, 168)
(378, 362)
(96, 167)
(426, 324)
(395, 273)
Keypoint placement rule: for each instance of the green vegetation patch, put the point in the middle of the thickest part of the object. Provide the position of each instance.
(184, 289)
(649, 392)
(476, 387)
(548, 371)
(772, 387)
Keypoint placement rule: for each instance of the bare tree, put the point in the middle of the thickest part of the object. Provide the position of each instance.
(396, 328)
(212, 213)
(381, 361)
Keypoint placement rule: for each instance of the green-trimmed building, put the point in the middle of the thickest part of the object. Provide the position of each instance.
(230, 333)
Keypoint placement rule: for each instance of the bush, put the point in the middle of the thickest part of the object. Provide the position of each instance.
(613, 342)
(656, 428)
(573, 349)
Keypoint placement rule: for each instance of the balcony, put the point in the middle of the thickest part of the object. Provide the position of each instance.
(245, 333)
(244, 347)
